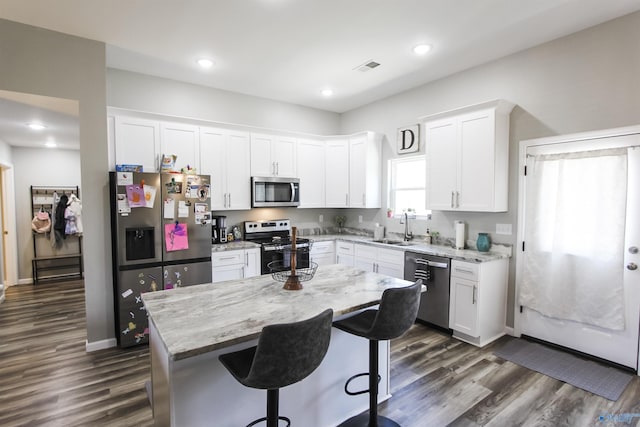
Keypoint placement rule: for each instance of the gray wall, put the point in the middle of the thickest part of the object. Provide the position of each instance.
(40, 167)
(585, 81)
(145, 93)
(47, 63)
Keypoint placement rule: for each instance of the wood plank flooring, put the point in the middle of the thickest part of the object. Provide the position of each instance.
(47, 378)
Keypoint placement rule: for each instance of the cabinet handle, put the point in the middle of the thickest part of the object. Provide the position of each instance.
(463, 270)
(226, 257)
(246, 259)
(277, 168)
(364, 200)
(229, 205)
(475, 290)
(457, 199)
(346, 199)
(452, 195)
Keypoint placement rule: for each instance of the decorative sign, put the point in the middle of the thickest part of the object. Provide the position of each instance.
(408, 139)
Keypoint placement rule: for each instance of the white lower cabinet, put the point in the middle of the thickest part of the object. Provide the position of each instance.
(323, 253)
(345, 253)
(478, 300)
(380, 260)
(235, 264)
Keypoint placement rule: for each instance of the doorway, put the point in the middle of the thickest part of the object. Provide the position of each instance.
(576, 285)
(9, 247)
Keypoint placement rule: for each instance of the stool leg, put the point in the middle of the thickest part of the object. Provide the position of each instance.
(373, 383)
(273, 398)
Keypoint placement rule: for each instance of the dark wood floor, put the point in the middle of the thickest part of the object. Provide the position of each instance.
(47, 378)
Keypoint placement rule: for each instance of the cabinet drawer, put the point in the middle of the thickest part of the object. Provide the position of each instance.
(345, 248)
(322, 248)
(465, 270)
(227, 258)
(366, 252)
(391, 256)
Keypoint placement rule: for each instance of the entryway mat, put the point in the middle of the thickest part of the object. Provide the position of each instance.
(588, 375)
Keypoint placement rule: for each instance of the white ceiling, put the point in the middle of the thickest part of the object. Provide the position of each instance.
(289, 50)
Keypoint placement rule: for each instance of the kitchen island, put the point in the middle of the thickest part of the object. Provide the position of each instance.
(190, 327)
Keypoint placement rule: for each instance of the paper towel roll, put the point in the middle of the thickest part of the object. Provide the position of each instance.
(459, 235)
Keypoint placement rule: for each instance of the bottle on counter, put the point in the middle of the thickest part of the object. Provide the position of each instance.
(427, 237)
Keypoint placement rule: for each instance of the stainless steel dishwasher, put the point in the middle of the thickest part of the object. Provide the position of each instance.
(434, 272)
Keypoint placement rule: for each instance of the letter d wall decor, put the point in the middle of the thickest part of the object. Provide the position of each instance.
(409, 139)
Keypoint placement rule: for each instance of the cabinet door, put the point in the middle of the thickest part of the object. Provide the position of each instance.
(183, 141)
(476, 169)
(311, 170)
(137, 141)
(238, 170)
(213, 154)
(357, 171)
(345, 259)
(337, 173)
(390, 262)
(463, 314)
(228, 272)
(283, 153)
(252, 262)
(261, 162)
(442, 164)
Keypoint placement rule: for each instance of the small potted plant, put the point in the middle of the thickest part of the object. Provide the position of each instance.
(340, 221)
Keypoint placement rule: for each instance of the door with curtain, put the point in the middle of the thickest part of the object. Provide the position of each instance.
(577, 284)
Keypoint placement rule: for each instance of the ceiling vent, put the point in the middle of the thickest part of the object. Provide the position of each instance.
(367, 66)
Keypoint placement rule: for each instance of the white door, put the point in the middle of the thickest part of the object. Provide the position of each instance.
(284, 155)
(238, 171)
(311, 172)
(213, 162)
(599, 317)
(183, 141)
(137, 141)
(442, 146)
(357, 171)
(261, 162)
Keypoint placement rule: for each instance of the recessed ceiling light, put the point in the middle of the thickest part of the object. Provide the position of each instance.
(327, 92)
(50, 144)
(205, 63)
(36, 126)
(421, 49)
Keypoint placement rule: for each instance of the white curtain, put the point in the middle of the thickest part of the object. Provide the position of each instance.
(574, 236)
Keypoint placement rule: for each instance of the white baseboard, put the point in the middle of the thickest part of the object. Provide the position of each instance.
(509, 331)
(100, 345)
(25, 281)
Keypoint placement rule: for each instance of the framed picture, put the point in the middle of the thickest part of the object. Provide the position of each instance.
(408, 139)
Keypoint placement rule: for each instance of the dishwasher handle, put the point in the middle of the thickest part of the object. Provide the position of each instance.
(429, 263)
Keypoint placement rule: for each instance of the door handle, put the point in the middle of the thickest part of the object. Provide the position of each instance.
(452, 195)
(632, 266)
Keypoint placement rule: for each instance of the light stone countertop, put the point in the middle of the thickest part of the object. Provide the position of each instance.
(233, 246)
(203, 318)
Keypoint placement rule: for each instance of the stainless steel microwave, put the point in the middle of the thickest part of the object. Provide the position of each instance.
(267, 192)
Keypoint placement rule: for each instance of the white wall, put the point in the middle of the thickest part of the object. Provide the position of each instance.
(585, 81)
(47, 63)
(40, 167)
(150, 94)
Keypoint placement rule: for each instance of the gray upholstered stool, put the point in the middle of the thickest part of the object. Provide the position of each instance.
(397, 312)
(286, 353)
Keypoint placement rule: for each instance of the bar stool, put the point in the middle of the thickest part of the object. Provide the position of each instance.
(397, 312)
(286, 353)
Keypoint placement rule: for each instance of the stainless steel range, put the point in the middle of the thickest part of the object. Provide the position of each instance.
(274, 237)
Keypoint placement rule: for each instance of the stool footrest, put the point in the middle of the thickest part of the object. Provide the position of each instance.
(259, 420)
(356, 393)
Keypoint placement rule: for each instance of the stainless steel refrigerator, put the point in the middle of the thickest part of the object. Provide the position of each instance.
(161, 239)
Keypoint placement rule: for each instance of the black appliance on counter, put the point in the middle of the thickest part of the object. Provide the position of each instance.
(218, 229)
(274, 237)
(435, 273)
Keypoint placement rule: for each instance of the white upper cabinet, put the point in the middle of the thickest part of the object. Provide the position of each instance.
(183, 141)
(353, 170)
(365, 171)
(467, 154)
(273, 155)
(224, 154)
(137, 141)
(337, 173)
(311, 172)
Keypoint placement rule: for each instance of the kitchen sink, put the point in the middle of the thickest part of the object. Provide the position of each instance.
(395, 242)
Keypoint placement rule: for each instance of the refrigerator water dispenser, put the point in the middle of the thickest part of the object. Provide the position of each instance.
(140, 243)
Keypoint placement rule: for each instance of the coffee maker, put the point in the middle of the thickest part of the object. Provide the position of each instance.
(218, 229)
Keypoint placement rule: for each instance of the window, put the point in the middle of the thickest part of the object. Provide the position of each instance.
(407, 179)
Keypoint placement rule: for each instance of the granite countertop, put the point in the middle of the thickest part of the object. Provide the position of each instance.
(233, 246)
(470, 255)
(203, 318)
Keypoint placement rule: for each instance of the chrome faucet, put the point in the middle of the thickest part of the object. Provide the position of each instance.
(405, 220)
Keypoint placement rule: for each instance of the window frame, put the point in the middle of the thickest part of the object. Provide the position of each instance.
(391, 197)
